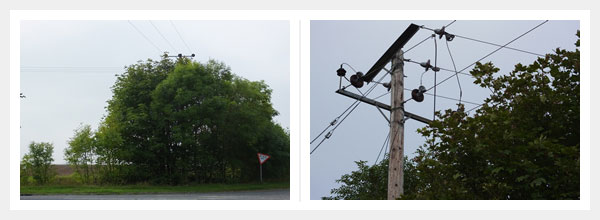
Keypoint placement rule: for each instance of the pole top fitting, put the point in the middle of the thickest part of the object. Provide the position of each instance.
(442, 32)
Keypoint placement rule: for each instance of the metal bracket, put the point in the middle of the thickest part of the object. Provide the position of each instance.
(386, 118)
(381, 105)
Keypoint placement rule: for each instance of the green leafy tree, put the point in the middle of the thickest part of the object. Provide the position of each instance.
(370, 182)
(81, 153)
(523, 143)
(26, 169)
(130, 111)
(366, 183)
(38, 163)
(107, 144)
(182, 121)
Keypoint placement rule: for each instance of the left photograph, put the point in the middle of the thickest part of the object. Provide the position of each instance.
(154, 110)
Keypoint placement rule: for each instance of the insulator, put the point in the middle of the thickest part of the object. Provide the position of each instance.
(440, 32)
(333, 122)
(357, 80)
(426, 65)
(341, 72)
(388, 86)
(417, 94)
(449, 37)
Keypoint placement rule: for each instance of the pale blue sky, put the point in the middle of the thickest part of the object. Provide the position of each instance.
(68, 67)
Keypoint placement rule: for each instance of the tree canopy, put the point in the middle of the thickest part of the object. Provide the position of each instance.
(37, 163)
(523, 143)
(180, 121)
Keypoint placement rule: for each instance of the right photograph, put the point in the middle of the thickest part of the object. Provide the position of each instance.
(444, 110)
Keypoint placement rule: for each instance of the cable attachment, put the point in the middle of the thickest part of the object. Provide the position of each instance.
(387, 85)
(334, 122)
(341, 72)
(417, 94)
(427, 65)
(442, 32)
(357, 80)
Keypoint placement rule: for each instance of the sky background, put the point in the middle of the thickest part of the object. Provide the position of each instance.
(361, 43)
(68, 67)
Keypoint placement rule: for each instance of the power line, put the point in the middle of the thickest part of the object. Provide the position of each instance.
(489, 43)
(503, 46)
(180, 37)
(441, 68)
(163, 36)
(427, 38)
(145, 37)
(497, 45)
(448, 25)
(382, 146)
(434, 77)
(344, 118)
(449, 98)
(454, 65)
(332, 123)
(381, 95)
(350, 67)
(474, 108)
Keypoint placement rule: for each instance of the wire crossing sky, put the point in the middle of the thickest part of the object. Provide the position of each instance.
(68, 67)
(361, 43)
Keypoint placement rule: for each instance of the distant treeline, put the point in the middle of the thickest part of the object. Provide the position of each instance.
(179, 122)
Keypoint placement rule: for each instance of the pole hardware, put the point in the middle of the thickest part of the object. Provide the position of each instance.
(417, 94)
(341, 71)
(181, 55)
(357, 80)
(442, 32)
(427, 65)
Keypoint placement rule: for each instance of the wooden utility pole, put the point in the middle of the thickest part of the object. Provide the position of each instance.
(396, 155)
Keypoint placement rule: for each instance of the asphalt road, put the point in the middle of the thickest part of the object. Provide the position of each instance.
(278, 194)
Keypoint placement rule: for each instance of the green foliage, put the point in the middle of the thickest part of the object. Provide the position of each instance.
(177, 122)
(26, 169)
(81, 153)
(367, 183)
(523, 143)
(107, 144)
(37, 163)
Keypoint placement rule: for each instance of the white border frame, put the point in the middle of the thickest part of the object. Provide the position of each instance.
(300, 109)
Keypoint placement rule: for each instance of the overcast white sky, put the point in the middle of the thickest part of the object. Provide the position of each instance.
(68, 67)
(361, 43)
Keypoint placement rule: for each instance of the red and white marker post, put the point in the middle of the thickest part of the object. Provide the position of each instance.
(262, 158)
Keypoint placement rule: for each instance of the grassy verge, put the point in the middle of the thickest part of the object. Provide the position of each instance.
(146, 189)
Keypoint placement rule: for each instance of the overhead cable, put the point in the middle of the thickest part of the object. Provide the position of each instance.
(163, 36)
(145, 37)
(489, 54)
(180, 37)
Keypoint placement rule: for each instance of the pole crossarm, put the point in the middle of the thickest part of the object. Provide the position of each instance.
(381, 105)
(389, 54)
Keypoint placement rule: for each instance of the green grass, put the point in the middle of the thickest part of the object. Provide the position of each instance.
(146, 189)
